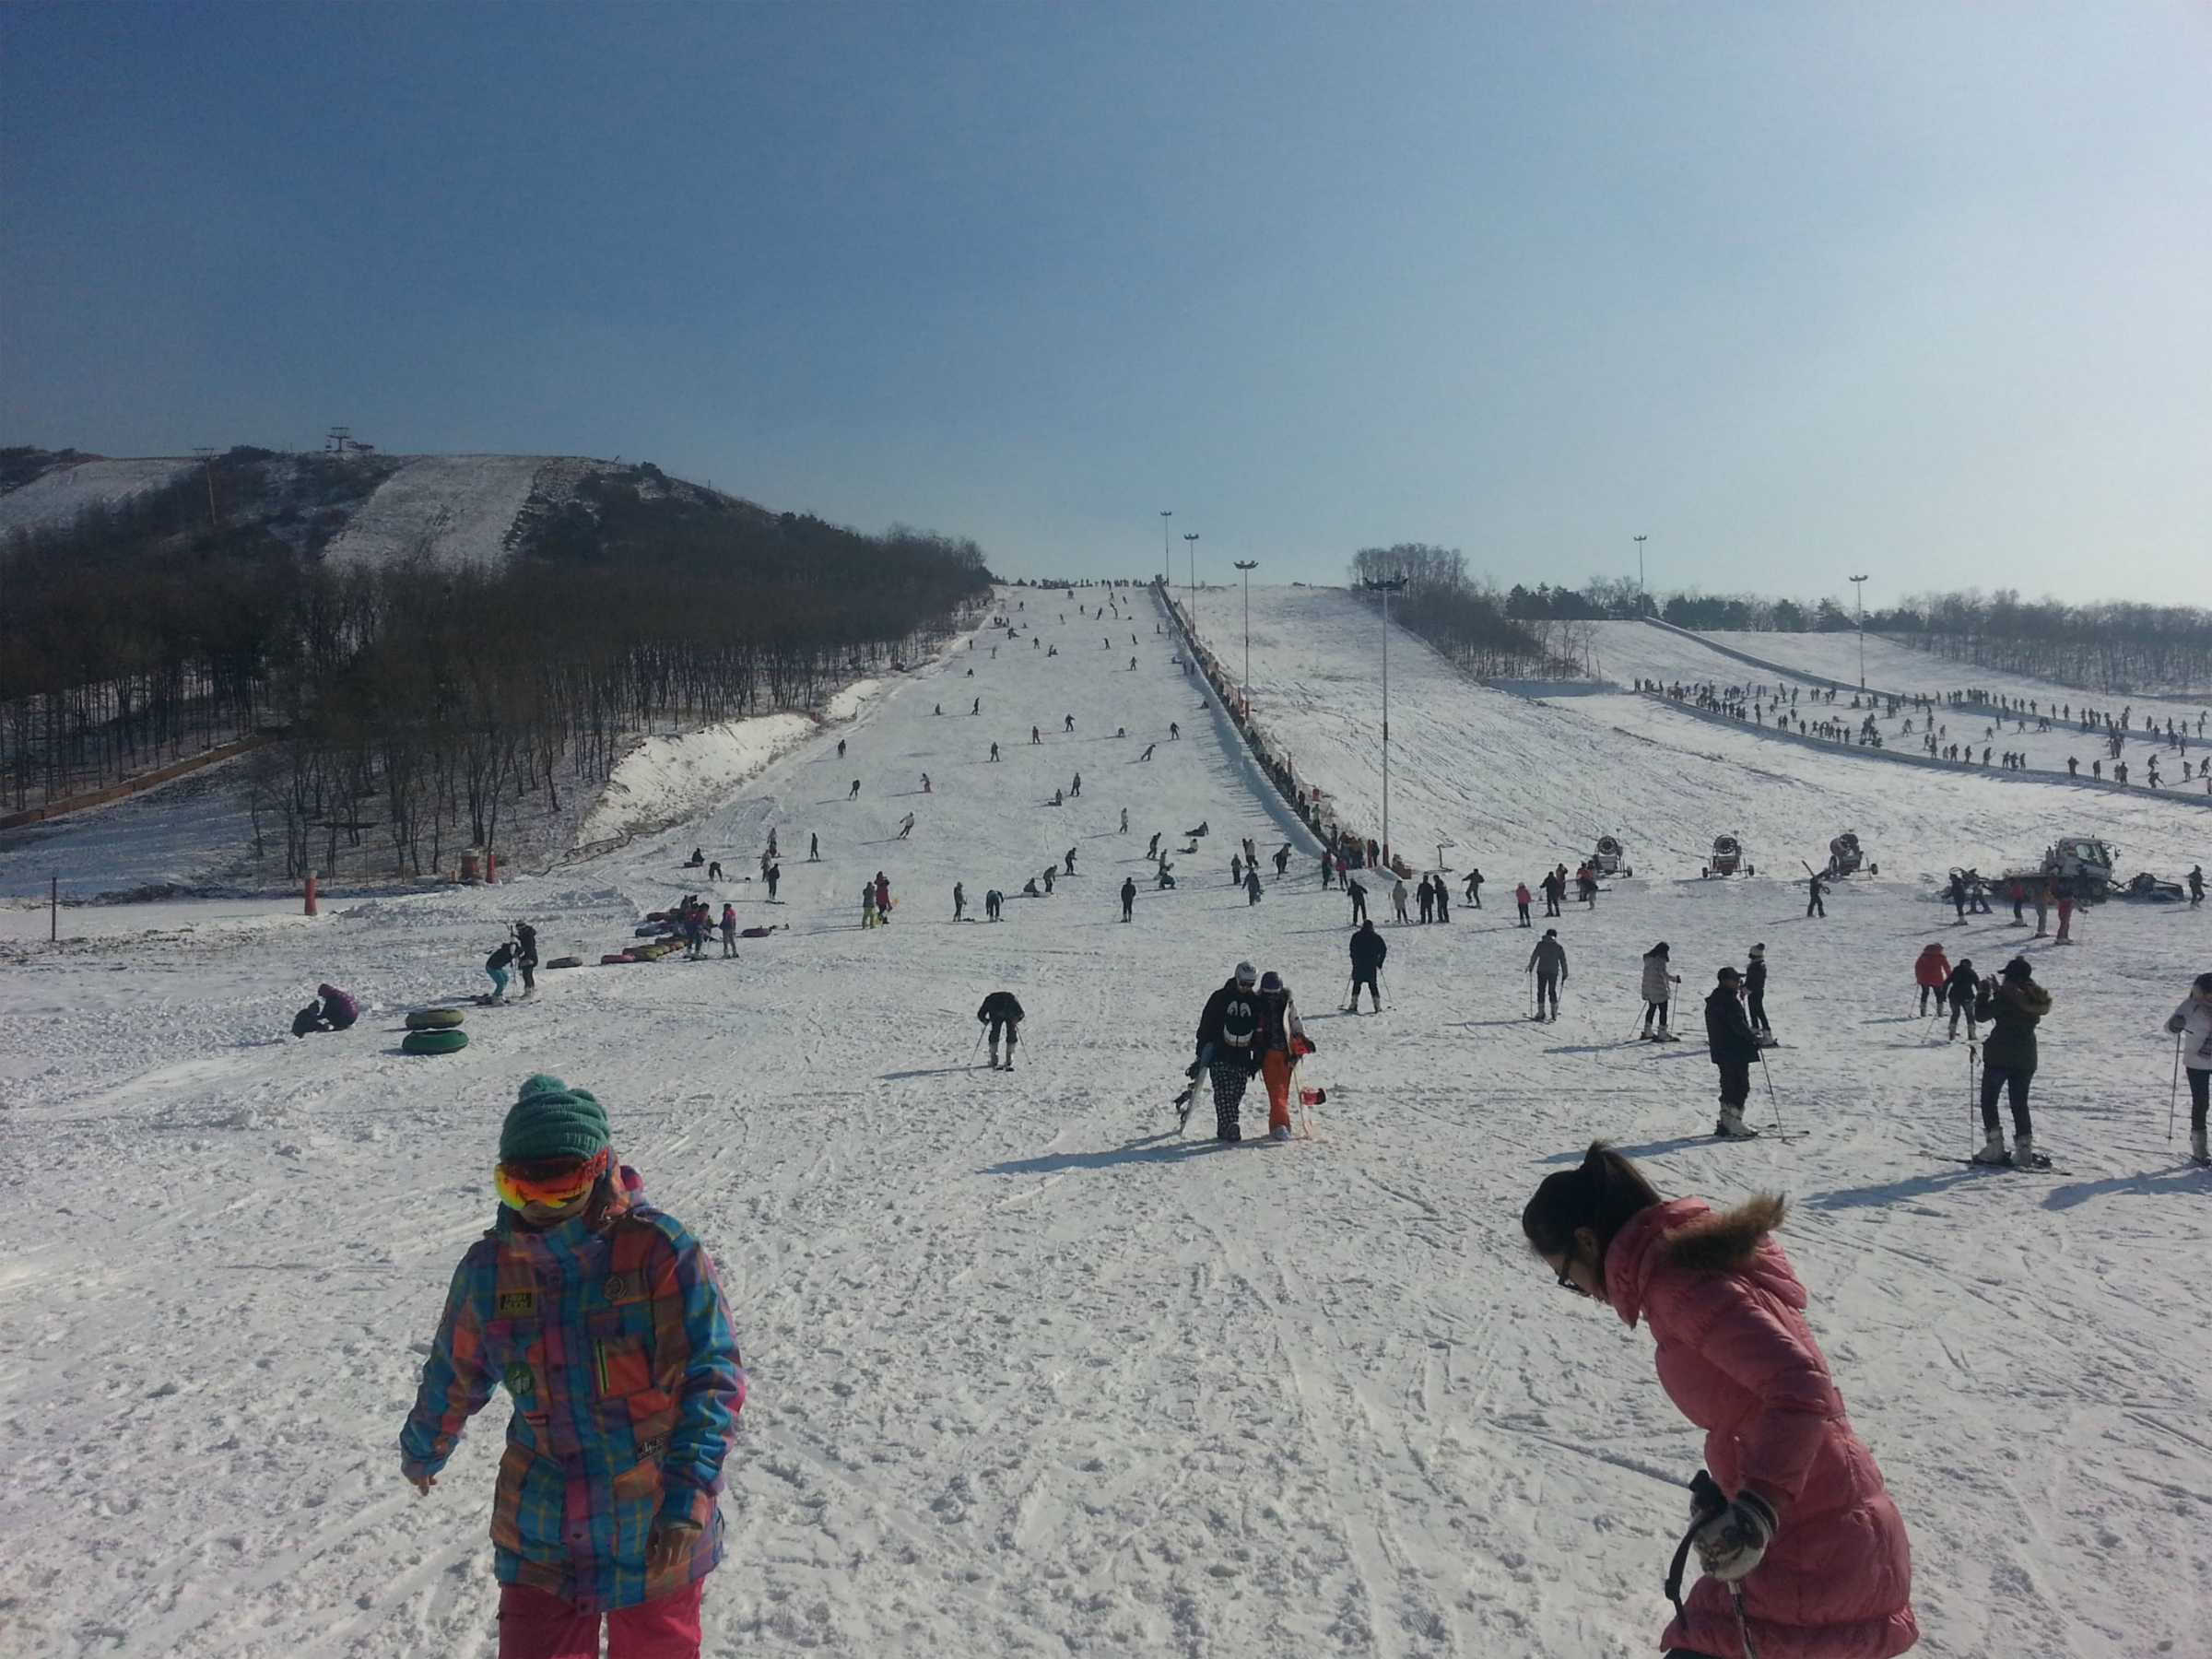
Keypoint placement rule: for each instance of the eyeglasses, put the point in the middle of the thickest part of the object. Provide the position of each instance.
(1566, 1281)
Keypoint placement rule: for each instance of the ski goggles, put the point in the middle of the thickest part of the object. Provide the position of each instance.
(552, 1183)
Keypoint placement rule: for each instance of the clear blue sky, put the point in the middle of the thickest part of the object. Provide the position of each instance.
(1918, 289)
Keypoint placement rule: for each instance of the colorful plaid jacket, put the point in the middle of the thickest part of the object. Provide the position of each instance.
(611, 1335)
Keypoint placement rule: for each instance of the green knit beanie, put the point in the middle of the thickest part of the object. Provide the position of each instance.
(550, 1120)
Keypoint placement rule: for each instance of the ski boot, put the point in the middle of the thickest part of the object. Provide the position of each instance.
(993, 1056)
(2198, 1153)
(1732, 1125)
(1992, 1150)
(2025, 1156)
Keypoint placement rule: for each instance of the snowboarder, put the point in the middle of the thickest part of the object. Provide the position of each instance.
(1813, 892)
(1128, 897)
(729, 930)
(1369, 949)
(1548, 961)
(525, 957)
(1521, 898)
(1554, 888)
(1717, 1294)
(1359, 898)
(495, 965)
(1282, 1043)
(1252, 887)
(1755, 995)
(1655, 986)
(1732, 1045)
(977, 707)
(906, 826)
(601, 1315)
(1152, 846)
(1068, 860)
(925, 788)
(1034, 738)
(1229, 1029)
(1003, 1014)
(2191, 1023)
(1930, 969)
(2013, 1006)
(334, 1010)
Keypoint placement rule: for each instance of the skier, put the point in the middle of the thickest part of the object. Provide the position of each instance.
(1128, 897)
(1930, 969)
(906, 826)
(729, 930)
(775, 879)
(1717, 1294)
(853, 795)
(2013, 1006)
(2196, 886)
(604, 1318)
(1282, 1043)
(841, 748)
(1398, 897)
(1124, 829)
(813, 848)
(1068, 860)
(1554, 888)
(1282, 860)
(525, 957)
(960, 901)
(1147, 754)
(1755, 995)
(994, 752)
(1252, 887)
(1960, 992)
(1956, 895)
(334, 1010)
(495, 965)
(1443, 896)
(1732, 1045)
(1548, 961)
(1227, 1028)
(867, 904)
(1657, 992)
(1359, 898)
(1475, 889)
(1369, 949)
(1813, 891)
(1521, 898)
(1004, 1013)
(1152, 846)
(2192, 1022)
(994, 902)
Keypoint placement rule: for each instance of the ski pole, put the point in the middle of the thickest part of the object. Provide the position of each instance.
(979, 1041)
(2173, 1101)
(1772, 1099)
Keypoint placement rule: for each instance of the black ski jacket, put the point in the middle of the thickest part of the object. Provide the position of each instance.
(1209, 1023)
(526, 938)
(1369, 949)
(1548, 958)
(1755, 977)
(2013, 1010)
(1727, 1033)
(1000, 1008)
(1961, 987)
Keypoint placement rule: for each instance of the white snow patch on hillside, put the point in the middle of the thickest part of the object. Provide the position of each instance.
(665, 778)
(848, 703)
(56, 498)
(457, 510)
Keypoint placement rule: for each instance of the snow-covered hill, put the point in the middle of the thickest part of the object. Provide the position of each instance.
(1030, 1374)
(56, 497)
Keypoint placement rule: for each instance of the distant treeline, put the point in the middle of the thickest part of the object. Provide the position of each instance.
(2112, 648)
(417, 700)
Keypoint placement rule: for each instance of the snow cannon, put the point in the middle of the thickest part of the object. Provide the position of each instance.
(1611, 858)
(1727, 858)
(1844, 856)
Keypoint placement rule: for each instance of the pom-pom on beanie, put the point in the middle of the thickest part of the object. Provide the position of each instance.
(550, 1120)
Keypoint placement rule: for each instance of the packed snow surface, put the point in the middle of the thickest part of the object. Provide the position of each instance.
(54, 497)
(1031, 1374)
(454, 509)
(665, 778)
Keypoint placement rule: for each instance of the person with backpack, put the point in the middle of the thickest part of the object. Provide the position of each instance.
(1548, 961)
(1755, 995)
(1959, 991)
(1369, 949)
(2191, 1023)
(1282, 1043)
(495, 965)
(1930, 969)
(1003, 1014)
(1732, 1045)
(1804, 1556)
(1228, 1031)
(1657, 988)
(2014, 1005)
(603, 1319)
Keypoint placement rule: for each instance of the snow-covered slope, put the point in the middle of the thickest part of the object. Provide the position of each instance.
(1891, 665)
(56, 497)
(1030, 1376)
(1521, 786)
(455, 509)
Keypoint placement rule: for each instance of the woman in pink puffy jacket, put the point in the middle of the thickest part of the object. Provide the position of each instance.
(1808, 1557)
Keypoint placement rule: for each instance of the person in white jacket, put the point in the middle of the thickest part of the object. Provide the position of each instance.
(1657, 986)
(2192, 1022)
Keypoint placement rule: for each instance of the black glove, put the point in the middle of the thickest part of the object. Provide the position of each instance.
(1193, 1070)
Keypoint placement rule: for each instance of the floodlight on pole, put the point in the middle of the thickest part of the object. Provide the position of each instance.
(1191, 541)
(1859, 585)
(1386, 586)
(1642, 592)
(1247, 566)
(1167, 565)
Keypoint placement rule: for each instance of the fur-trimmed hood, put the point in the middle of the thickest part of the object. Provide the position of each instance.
(1688, 1236)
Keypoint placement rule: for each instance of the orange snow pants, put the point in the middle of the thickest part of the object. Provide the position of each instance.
(1275, 1071)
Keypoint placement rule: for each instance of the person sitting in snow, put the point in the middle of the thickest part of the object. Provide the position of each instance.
(335, 1011)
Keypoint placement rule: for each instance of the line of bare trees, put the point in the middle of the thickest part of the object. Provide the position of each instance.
(1464, 618)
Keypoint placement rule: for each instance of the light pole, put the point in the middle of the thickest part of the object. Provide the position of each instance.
(1642, 594)
(1859, 585)
(1386, 586)
(1167, 565)
(1247, 566)
(1191, 541)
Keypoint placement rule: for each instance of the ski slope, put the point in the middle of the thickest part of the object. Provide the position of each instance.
(1032, 1375)
(1521, 786)
(454, 509)
(54, 497)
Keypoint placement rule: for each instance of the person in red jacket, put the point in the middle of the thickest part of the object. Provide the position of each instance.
(1804, 1554)
(1930, 969)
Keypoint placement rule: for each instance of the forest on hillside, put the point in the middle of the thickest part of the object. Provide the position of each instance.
(414, 701)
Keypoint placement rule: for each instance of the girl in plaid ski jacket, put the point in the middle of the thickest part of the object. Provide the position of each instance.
(603, 1319)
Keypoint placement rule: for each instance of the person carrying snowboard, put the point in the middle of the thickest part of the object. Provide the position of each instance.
(1282, 1043)
(1959, 992)
(1755, 995)
(1548, 961)
(1003, 1014)
(1930, 969)
(1229, 1029)
(1369, 949)
(1813, 892)
(605, 1320)
(2014, 1005)
(1128, 897)
(2192, 1022)
(1656, 987)
(1793, 1519)
(1732, 1045)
